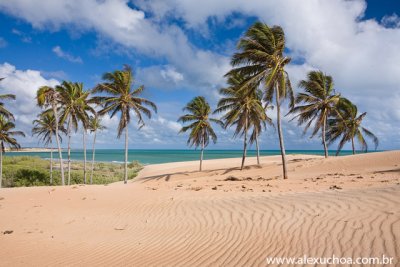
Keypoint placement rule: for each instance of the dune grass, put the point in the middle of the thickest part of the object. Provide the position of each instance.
(35, 171)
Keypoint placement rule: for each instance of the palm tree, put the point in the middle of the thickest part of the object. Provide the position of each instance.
(346, 125)
(261, 58)
(94, 126)
(73, 100)
(45, 127)
(318, 103)
(48, 96)
(200, 124)
(243, 109)
(7, 138)
(121, 98)
(3, 111)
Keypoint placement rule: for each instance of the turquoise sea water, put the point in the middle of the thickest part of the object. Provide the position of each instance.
(163, 156)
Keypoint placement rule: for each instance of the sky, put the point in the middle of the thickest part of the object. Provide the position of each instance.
(180, 49)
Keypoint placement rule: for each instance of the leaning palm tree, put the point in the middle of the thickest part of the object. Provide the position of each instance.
(45, 127)
(346, 126)
(316, 104)
(122, 98)
(261, 58)
(243, 109)
(200, 124)
(3, 111)
(73, 101)
(47, 96)
(7, 137)
(94, 126)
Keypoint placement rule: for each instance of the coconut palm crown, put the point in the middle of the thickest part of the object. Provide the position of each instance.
(3, 110)
(345, 126)
(316, 104)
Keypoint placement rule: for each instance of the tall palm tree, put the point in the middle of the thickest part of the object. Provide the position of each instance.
(261, 58)
(94, 126)
(346, 126)
(45, 127)
(200, 124)
(317, 103)
(3, 111)
(73, 101)
(47, 96)
(7, 137)
(122, 98)
(243, 109)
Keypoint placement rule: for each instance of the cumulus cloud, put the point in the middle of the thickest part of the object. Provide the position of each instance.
(61, 54)
(361, 55)
(24, 84)
(116, 20)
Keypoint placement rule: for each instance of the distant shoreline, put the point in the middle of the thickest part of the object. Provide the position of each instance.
(31, 149)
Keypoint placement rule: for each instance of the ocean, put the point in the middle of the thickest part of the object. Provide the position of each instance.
(150, 156)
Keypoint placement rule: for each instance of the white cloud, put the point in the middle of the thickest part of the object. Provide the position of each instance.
(361, 55)
(61, 54)
(170, 74)
(115, 20)
(24, 84)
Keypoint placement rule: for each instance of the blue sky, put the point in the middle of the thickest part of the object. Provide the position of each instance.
(180, 49)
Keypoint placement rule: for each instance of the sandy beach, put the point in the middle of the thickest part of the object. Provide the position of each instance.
(173, 215)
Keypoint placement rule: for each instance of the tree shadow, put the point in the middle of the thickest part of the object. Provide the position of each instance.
(388, 171)
(167, 177)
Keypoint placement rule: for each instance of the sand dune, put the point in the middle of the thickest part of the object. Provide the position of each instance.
(173, 215)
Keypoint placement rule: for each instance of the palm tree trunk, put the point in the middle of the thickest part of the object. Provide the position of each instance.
(202, 153)
(1, 164)
(51, 162)
(84, 155)
(69, 150)
(244, 145)
(126, 156)
(93, 154)
(282, 145)
(59, 145)
(352, 145)
(258, 151)
(324, 138)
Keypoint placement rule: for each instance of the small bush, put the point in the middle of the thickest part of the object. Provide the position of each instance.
(135, 165)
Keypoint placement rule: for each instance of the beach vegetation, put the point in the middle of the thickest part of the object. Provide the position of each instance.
(33, 171)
